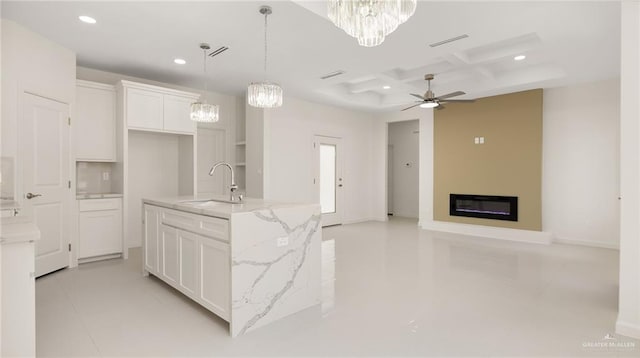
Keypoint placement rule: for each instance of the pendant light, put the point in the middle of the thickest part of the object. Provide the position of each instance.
(370, 21)
(202, 111)
(264, 94)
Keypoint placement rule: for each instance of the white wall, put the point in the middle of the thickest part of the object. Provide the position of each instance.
(404, 170)
(289, 165)
(153, 173)
(581, 163)
(628, 322)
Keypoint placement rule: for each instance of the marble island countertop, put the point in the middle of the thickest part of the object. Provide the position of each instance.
(203, 205)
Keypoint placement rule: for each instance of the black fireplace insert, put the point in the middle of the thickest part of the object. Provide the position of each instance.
(484, 206)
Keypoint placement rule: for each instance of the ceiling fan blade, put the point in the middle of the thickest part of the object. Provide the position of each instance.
(452, 94)
(417, 95)
(458, 100)
(415, 105)
(440, 106)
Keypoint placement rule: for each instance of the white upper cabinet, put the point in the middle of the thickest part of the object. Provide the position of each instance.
(95, 125)
(177, 114)
(144, 109)
(157, 109)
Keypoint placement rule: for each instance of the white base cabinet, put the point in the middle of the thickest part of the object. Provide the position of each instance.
(191, 253)
(99, 227)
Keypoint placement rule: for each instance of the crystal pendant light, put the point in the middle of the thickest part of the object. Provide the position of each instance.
(202, 111)
(264, 94)
(370, 21)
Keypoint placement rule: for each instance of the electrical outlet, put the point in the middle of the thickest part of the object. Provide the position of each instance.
(283, 241)
(476, 140)
(481, 140)
(105, 175)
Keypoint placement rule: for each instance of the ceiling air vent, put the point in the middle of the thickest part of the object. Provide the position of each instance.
(436, 44)
(332, 74)
(218, 51)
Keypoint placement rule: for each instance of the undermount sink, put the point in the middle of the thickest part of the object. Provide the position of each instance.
(210, 201)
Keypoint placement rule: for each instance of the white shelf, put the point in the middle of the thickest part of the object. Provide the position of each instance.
(241, 143)
(241, 164)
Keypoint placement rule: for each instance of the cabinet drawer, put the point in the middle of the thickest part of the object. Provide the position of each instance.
(98, 204)
(213, 227)
(202, 225)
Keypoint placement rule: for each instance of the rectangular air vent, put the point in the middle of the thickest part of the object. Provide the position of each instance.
(218, 51)
(332, 74)
(436, 44)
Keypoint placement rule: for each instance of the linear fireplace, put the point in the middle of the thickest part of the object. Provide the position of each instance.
(484, 206)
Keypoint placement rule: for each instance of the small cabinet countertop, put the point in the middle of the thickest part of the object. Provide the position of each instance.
(18, 229)
(98, 196)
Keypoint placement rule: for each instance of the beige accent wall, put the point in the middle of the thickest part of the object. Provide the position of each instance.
(509, 162)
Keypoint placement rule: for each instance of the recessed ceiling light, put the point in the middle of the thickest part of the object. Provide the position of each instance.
(429, 105)
(87, 19)
(179, 61)
(386, 87)
(520, 57)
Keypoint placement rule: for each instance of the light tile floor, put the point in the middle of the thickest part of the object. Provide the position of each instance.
(389, 289)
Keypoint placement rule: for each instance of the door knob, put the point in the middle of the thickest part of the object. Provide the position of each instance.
(31, 195)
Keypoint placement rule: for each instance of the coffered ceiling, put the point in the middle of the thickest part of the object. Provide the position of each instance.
(564, 42)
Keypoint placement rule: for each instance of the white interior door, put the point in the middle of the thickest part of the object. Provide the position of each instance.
(328, 178)
(44, 157)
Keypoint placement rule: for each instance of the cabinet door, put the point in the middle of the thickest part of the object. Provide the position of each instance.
(151, 247)
(169, 269)
(188, 248)
(177, 114)
(144, 109)
(100, 233)
(215, 276)
(95, 125)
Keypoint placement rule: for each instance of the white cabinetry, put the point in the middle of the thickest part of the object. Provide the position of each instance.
(18, 287)
(157, 109)
(95, 125)
(194, 255)
(177, 114)
(99, 227)
(144, 109)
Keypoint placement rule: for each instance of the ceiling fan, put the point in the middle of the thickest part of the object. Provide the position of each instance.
(429, 100)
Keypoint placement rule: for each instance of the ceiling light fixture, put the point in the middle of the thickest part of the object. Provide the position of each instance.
(202, 111)
(179, 61)
(520, 57)
(429, 105)
(386, 87)
(264, 94)
(370, 21)
(87, 19)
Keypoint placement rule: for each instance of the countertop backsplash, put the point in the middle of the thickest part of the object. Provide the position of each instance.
(94, 178)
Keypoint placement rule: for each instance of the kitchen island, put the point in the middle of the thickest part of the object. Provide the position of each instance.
(251, 263)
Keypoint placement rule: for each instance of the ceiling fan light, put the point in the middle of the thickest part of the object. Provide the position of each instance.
(429, 105)
(204, 112)
(264, 95)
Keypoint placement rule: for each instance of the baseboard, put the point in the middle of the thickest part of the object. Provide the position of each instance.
(528, 236)
(603, 245)
(628, 329)
(362, 220)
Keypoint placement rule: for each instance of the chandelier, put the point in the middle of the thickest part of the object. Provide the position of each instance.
(370, 20)
(202, 111)
(264, 94)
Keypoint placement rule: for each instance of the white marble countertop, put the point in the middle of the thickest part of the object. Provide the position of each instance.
(217, 209)
(98, 196)
(18, 229)
(6, 204)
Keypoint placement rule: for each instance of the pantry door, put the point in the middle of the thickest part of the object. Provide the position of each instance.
(328, 179)
(46, 186)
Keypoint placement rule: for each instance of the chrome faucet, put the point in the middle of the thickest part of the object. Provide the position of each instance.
(233, 187)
